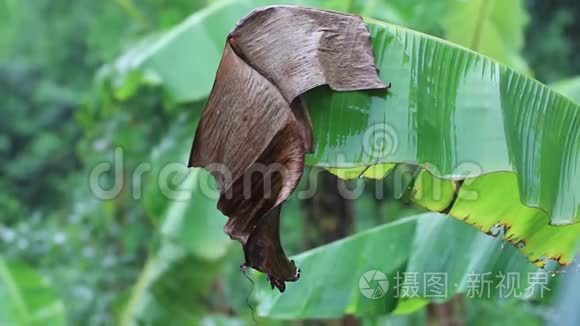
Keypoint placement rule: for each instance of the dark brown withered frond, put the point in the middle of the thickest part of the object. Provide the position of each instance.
(265, 184)
(244, 112)
(304, 123)
(302, 48)
(255, 128)
(264, 252)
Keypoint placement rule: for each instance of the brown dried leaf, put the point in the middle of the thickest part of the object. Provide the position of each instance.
(302, 48)
(255, 128)
(264, 252)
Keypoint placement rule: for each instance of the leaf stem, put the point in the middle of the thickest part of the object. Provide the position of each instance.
(133, 11)
(481, 18)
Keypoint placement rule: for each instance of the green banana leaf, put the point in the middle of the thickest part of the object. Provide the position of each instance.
(491, 27)
(408, 252)
(421, 15)
(569, 87)
(184, 60)
(26, 298)
(451, 111)
(477, 127)
(565, 311)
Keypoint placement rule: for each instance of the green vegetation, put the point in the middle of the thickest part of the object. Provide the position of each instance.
(99, 105)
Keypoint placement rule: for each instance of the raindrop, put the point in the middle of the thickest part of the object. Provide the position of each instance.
(497, 230)
(551, 266)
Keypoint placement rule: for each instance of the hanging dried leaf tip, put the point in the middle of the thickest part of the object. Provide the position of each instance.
(255, 128)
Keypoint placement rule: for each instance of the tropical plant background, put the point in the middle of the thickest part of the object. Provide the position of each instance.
(86, 85)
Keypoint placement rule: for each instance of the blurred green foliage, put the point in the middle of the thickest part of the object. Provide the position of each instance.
(61, 117)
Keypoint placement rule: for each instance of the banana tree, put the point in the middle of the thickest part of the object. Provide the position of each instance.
(495, 148)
